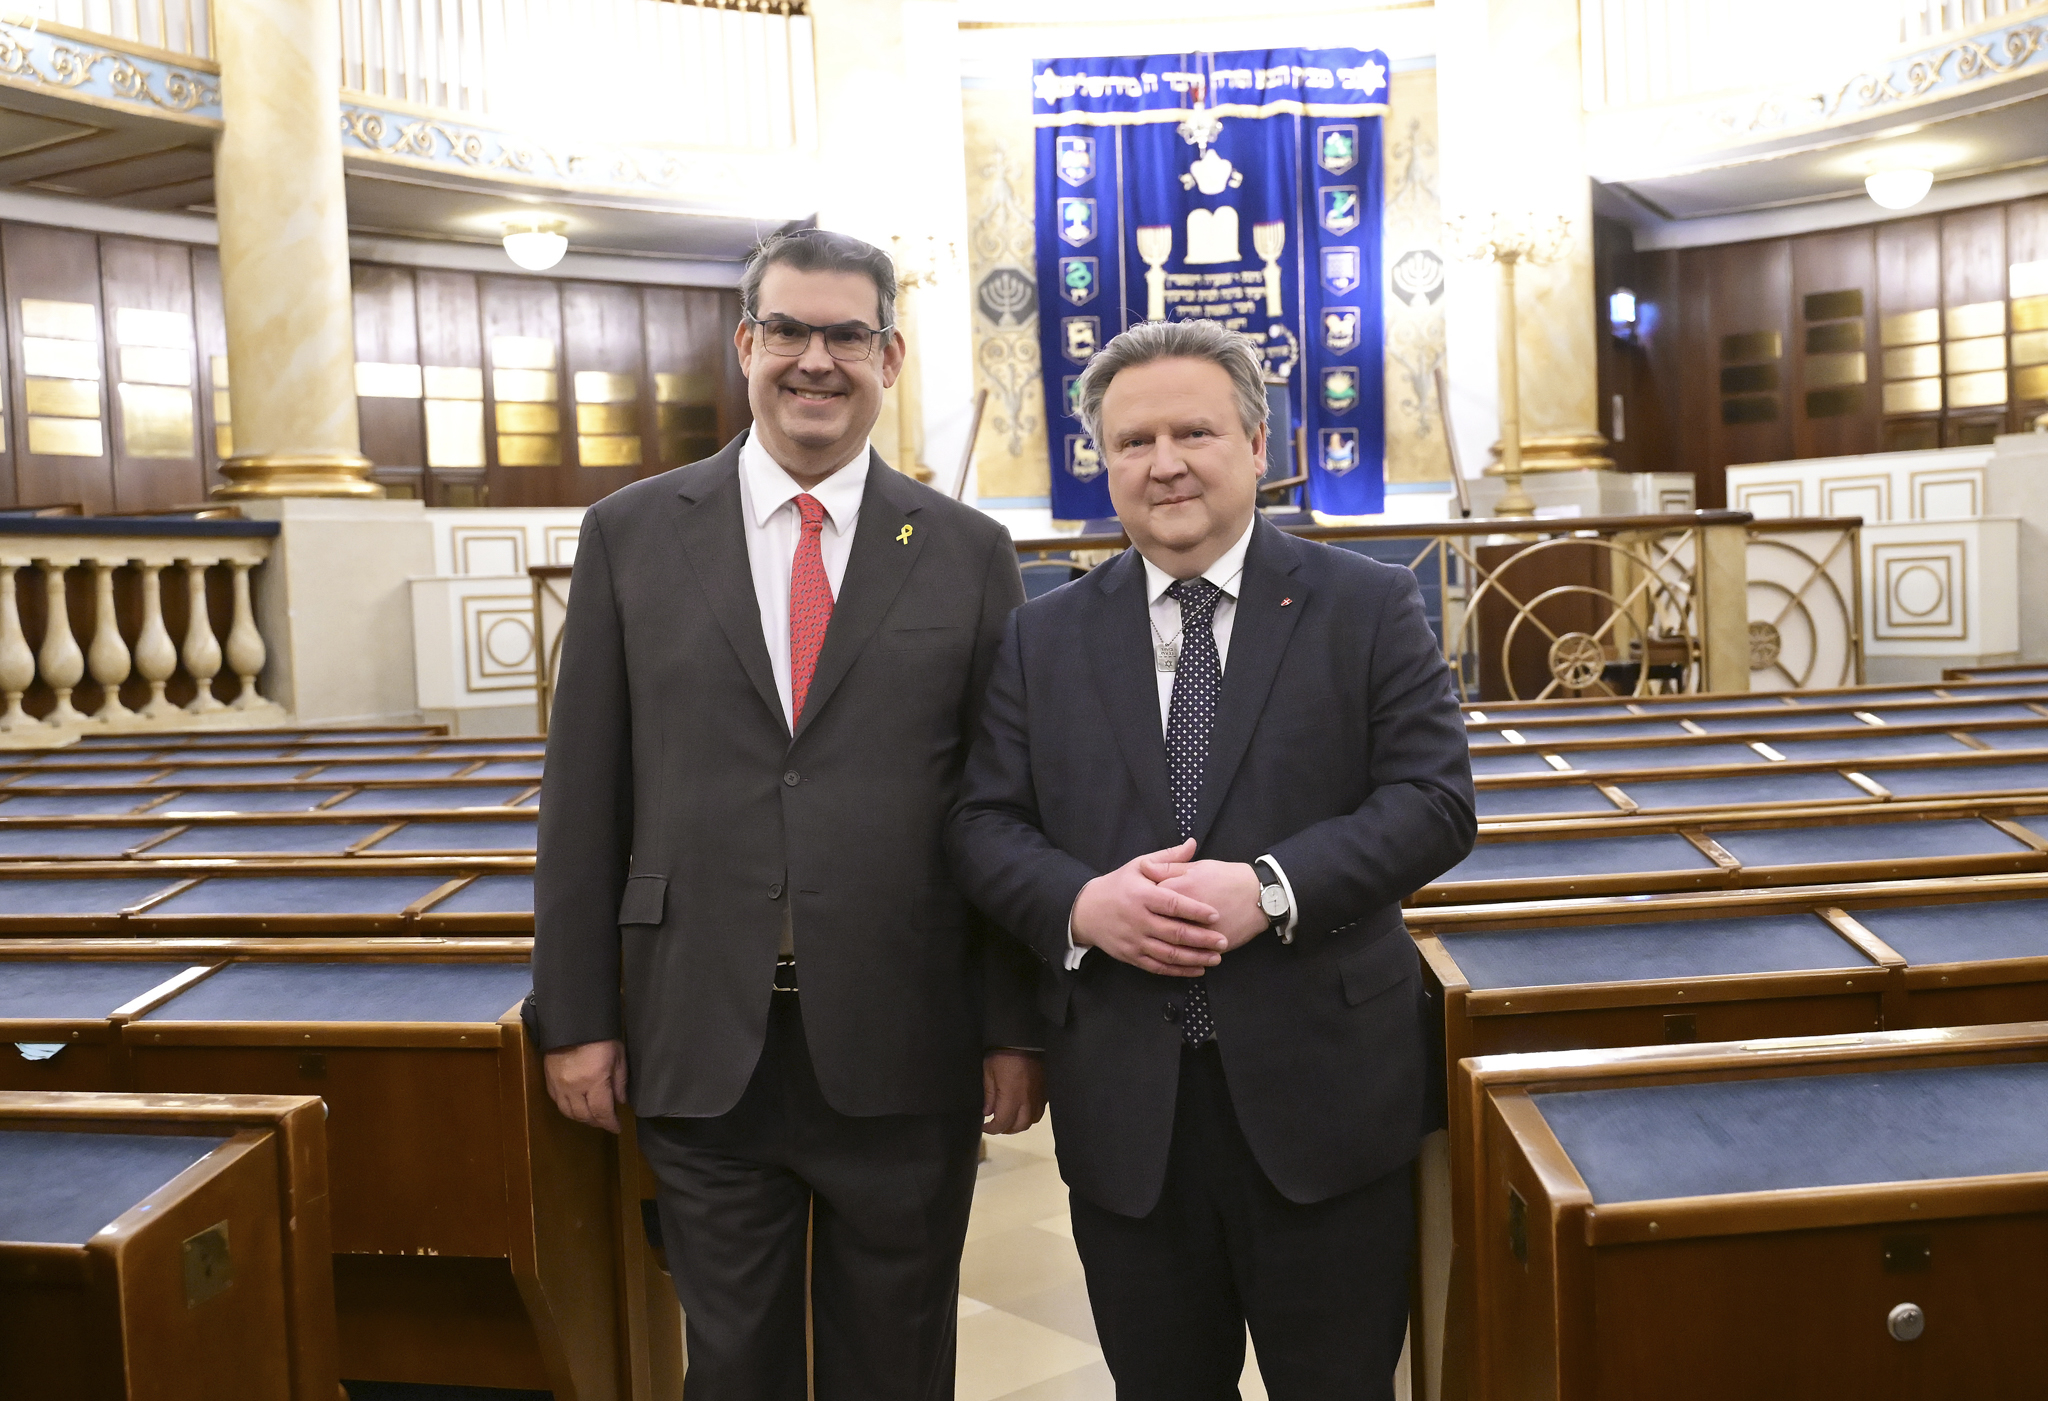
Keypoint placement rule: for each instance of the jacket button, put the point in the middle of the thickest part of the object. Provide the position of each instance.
(791, 778)
(775, 891)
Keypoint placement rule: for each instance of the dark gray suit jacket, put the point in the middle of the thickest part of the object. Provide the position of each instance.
(679, 818)
(1339, 749)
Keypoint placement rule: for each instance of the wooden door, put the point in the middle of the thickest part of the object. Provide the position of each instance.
(57, 368)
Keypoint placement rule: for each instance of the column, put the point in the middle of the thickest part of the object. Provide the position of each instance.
(284, 252)
(1511, 123)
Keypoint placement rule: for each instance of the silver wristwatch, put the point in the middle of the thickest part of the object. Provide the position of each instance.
(1272, 894)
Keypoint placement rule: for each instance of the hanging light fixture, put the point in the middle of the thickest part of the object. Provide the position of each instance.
(536, 244)
(1899, 189)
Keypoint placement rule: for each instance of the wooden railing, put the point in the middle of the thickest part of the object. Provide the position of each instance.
(125, 623)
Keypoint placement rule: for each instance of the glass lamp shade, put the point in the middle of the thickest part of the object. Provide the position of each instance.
(1899, 189)
(535, 247)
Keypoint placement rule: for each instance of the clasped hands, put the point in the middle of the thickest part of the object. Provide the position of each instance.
(1167, 913)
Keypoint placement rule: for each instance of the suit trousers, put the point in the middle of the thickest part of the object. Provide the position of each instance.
(884, 1201)
(1324, 1287)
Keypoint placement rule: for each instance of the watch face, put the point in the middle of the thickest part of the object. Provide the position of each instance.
(1273, 900)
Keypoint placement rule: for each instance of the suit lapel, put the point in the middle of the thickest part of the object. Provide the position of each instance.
(1259, 631)
(886, 546)
(1120, 653)
(715, 543)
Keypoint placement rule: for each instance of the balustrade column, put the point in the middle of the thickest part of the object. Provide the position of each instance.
(202, 648)
(246, 652)
(63, 664)
(109, 655)
(17, 662)
(284, 252)
(155, 655)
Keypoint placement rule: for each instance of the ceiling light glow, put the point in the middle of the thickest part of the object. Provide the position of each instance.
(1899, 189)
(536, 244)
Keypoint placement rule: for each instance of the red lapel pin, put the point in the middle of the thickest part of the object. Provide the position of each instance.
(1285, 601)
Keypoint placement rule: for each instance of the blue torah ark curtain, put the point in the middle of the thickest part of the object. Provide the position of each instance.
(1243, 188)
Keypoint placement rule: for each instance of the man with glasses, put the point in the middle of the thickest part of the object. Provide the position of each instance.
(772, 661)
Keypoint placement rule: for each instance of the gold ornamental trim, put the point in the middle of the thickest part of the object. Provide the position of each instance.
(297, 474)
(1566, 452)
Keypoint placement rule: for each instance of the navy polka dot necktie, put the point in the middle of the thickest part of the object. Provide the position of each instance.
(1189, 719)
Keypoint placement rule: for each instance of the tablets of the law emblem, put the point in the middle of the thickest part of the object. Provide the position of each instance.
(1906, 1322)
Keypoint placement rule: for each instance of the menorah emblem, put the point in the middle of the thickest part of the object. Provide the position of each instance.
(1269, 241)
(1155, 246)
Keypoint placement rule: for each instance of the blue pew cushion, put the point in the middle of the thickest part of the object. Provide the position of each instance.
(71, 843)
(358, 751)
(1628, 953)
(1784, 718)
(207, 800)
(2028, 737)
(1760, 787)
(1868, 841)
(1655, 1142)
(267, 839)
(1529, 762)
(69, 758)
(84, 896)
(506, 894)
(1964, 778)
(511, 768)
(63, 1187)
(1581, 856)
(76, 990)
(459, 837)
(235, 773)
(1540, 735)
(351, 992)
(1873, 745)
(300, 895)
(1972, 933)
(352, 770)
(71, 804)
(1550, 797)
(440, 798)
(82, 777)
(1676, 756)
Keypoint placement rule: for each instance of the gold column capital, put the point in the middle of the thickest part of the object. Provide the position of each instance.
(297, 474)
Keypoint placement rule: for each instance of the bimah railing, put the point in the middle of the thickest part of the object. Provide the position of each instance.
(129, 623)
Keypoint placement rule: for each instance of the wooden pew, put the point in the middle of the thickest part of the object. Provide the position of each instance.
(1826, 1218)
(42, 798)
(2009, 671)
(479, 1237)
(1710, 715)
(168, 1246)
(271, 837)
(2026, 679)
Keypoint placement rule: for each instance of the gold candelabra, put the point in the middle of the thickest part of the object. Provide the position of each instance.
(921, 261)
(1510, 240)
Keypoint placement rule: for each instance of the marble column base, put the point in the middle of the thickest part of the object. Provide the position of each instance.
(1589, 492)
(302, 475)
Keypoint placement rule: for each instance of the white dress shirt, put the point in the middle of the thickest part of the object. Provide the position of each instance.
(773, 526)
(1227, 573)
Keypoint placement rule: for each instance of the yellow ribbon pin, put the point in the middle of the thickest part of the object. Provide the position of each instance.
(903, 536)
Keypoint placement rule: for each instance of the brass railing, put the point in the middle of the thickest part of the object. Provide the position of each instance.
(1529, 610)
(1805, 603)
(550, 612)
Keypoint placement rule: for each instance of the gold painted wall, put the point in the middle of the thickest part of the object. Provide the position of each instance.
(1011, 453)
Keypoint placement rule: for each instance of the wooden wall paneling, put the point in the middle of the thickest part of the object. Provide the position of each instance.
(605, 365)
(1614, 268)
(153, 368)
(1653, 407)
(390, 402)
(691, 360)
(10, 415)
(526, 404)
(1751, 311)
(1909, 333)
(1699, 396)
(450, 332)
(216, 395)
(57, 370)
(735, 413)
(2026, 246)
(1973, 325)
(1834, 295)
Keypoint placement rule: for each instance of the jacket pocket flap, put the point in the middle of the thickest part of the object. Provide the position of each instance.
(1389, 959)
(643, 900)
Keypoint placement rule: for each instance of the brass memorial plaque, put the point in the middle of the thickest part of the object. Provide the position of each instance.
(524, 386)
(1976, 319)
(608, 451)
(64, 398)
(1910, 327)
(1976, 391)
(522, 353)
(1912, 362)
(1830, 371)
(455, 433)
(2030, 314)
(604, 387)
(217, 366)
(529, 450)
(1913, 396)
(383, 380)
(529, 418)
(1750, 346)
(607, 418)
(453, 382)
(2031, 384)
(156, 420)
(1987, 353)
(67, 321)
(169, 329)
(60, 359)
(152, 364)
(66, 437)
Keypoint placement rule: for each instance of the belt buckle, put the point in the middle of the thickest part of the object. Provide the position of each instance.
(785, 975)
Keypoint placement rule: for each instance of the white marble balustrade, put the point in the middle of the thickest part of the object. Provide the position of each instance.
(49, 567)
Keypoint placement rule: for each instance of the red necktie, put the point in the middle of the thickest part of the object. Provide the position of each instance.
(810, 604)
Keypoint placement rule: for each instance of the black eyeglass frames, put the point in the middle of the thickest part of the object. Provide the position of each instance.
(847, 340)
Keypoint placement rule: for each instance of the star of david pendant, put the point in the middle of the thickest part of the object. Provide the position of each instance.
(1166, 656)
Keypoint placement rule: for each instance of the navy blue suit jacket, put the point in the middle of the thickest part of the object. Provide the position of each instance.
(1339, 749)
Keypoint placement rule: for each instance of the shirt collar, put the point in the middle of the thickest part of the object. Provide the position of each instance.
(769, 488)
(1224, 573)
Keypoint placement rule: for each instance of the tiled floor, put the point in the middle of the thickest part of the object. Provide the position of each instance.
(1025, 1330)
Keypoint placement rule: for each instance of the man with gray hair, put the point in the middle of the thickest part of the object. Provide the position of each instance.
(1207, 776)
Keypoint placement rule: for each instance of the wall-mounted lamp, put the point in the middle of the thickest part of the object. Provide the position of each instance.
(1621, 311)
(535, 244)
(1899, 189)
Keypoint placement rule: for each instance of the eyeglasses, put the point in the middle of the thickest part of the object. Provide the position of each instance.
(848, 340)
